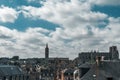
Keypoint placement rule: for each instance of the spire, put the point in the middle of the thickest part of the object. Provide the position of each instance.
(46, 45)
(47, 51)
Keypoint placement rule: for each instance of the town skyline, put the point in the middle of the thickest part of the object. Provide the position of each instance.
(87, 54)
(68, 26)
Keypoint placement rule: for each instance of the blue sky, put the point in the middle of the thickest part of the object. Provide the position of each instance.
(27, 25)
(22, 23)
(15, 3)
(113, 11)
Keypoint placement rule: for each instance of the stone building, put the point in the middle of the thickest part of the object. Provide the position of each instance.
(47, 74)
(91, 56)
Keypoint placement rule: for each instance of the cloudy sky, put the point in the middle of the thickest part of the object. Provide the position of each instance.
(68, 26)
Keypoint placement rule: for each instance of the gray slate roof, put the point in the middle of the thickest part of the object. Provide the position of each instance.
(7, 70)
(85, 65)
(106, 69)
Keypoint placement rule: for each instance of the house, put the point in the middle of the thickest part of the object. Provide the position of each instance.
(9, 72)
(47, 74)
(103, 70)
(4, 60)
(68, 74)
(76, 75)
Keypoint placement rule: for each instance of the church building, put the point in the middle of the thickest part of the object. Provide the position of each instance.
(113, 54)
(46, 52)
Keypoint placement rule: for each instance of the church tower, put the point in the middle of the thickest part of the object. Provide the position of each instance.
(46, 52)
(114, 54)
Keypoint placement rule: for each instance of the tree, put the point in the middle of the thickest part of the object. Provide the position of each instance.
(15, 58)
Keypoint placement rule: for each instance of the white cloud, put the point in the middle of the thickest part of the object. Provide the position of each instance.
(72, 14)
(62, 42)
(25, 44)
(79, 30)
(79, 25)
(67, 14)
(106, 2)
(7, 14)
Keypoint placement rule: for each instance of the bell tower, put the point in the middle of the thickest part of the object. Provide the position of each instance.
(114, 54)
(46, 52)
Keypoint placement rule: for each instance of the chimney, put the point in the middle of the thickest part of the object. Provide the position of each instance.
(98, 60)
(102, 58)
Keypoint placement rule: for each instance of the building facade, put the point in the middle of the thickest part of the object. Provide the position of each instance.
(91, 56)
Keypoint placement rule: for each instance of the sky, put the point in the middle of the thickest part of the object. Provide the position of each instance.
(68, 26)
